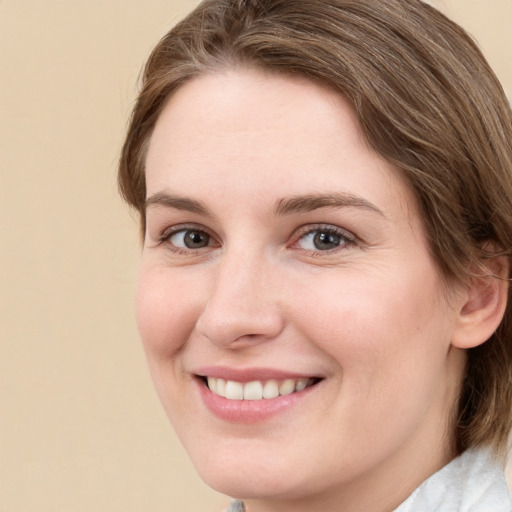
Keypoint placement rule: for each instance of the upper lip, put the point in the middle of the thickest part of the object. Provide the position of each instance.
(250, 374)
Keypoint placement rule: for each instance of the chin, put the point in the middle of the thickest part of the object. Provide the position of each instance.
(252, 486)
(247, 477)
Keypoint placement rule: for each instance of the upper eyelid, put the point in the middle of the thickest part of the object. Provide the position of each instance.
(160, 237)
(304, 229)
(311, 228)
(350, 239)
(171, 230)
(163, 239)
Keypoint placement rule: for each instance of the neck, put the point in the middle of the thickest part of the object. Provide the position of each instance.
(381, 491)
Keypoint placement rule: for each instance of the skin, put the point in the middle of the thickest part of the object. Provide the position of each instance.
(372, 317)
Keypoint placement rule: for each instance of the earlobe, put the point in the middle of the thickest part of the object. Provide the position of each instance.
(483, 305)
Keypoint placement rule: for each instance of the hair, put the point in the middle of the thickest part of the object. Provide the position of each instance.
(426, 100)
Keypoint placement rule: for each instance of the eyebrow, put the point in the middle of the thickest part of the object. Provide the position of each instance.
(310, 202)
(284, 206)
(178, 203)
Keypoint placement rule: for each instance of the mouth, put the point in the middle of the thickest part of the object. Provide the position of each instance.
(257, 389)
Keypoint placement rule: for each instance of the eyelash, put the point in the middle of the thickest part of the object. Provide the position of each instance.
(346, 238)
(166, 235)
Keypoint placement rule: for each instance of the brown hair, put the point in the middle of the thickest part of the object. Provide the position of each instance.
(427, 101)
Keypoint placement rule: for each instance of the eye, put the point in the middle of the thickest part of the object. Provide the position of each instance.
(324, 239)
(189, 239)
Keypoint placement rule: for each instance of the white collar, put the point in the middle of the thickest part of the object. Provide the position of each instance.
(473, 482)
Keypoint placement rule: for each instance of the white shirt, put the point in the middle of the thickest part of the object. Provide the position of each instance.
(473, 482)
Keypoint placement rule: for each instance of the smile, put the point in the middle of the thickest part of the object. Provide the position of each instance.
(253, 395)
(257, 390)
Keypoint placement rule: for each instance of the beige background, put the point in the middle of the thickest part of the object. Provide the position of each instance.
(80, 426)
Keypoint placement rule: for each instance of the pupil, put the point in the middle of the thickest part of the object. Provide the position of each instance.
(195, 239)
(325, 241)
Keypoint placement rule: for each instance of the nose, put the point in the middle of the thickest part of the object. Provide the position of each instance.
(242, 306)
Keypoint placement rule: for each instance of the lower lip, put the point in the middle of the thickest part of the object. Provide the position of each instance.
(250, 411)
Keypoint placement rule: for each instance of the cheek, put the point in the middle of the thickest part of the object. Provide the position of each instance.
(388, 348)
(166, 314)
(377, 326)
(165, 318)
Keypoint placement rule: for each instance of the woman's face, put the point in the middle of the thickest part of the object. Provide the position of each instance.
(282, 253)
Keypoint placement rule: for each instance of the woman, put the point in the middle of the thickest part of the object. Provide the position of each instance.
(325, 192)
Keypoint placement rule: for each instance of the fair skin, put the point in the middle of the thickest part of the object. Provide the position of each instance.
(279, 247)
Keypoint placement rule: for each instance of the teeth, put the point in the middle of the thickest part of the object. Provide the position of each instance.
(212, 384)
(221, 387)
(301, 384)
(287, 387)
(256, 390)
(271, 389)
(234, 390)
(253, 391)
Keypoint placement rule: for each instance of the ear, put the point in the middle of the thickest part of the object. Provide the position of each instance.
(482, 305)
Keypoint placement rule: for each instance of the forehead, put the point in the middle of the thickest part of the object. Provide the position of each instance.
(247, 131)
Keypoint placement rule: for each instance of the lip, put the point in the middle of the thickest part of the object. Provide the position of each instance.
(249, 411)
(249, 374)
